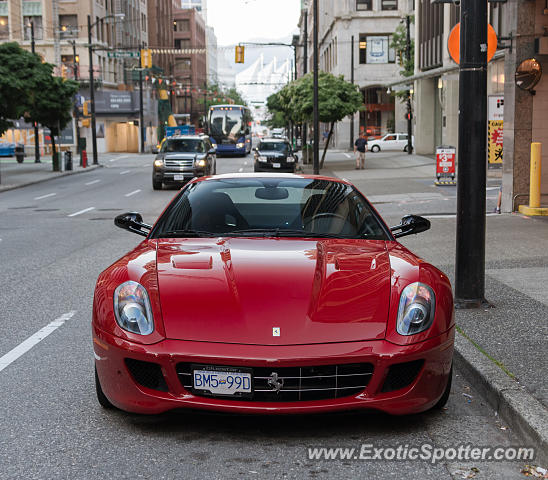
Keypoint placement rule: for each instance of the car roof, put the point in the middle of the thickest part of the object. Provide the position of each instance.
(269, 176)
(186, 137)
(274, 140)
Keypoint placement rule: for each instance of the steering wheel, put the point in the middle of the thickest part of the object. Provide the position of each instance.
(322, 215)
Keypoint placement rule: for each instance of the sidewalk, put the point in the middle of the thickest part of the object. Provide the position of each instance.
(502, 350)
(15, 175)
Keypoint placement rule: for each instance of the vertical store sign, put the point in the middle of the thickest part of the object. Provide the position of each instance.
(495, 117)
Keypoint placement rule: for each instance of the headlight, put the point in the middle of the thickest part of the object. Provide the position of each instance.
(261, 158)
(132, 308)
(240, 145)
(290, 159)
(201, 163)
(416, 309)
(158, 163)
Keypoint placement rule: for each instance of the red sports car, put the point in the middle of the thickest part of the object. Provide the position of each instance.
(272, 294)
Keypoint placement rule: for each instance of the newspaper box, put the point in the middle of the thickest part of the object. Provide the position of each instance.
(445, 165)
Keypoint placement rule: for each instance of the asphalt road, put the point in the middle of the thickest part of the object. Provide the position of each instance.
(55, 238)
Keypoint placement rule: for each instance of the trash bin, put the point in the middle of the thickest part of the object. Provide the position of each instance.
(19, 153)
(68, 160)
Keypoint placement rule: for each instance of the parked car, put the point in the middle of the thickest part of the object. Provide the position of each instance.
(182, 158)
(390, 141)
(258, 293)
(274, 154)
(7, 149)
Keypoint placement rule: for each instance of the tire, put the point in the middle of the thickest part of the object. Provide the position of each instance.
(445, 396)
(375, 148)
(405, 149)
(156, 185)
(101, 397)
(215, 168)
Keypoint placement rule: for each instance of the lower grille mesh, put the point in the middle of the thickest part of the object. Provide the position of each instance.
(401, 375)
(147, 374)
(299, 383)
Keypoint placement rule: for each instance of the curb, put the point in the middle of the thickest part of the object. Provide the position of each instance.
(45, 179)
(525, 415)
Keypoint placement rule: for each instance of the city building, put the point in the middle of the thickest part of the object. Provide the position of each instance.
(260, 80)
(190, 69)
(61, 37)
(160, 33)
(226, 72)
(361, 30)
(212, 56)
(198, 5)
(522, 30)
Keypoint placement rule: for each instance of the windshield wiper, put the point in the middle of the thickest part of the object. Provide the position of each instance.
(282, 232)
(187, 234)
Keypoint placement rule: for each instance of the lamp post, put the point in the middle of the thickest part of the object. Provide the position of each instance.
(409, 110)
(76, 108)
(36, 132)
(316, 98)
(92, 81)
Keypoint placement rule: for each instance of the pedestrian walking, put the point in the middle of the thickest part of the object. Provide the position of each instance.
(360, 147)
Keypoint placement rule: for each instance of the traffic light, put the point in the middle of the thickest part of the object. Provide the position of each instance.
(146, 58)
(86, 108)
(239, 54)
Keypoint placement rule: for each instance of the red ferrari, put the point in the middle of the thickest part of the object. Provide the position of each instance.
(272, 294)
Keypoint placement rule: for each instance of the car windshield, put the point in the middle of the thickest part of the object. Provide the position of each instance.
(183, 145)
(273, 147)
(264, 207)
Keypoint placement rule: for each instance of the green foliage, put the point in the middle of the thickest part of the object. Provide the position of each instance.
(217, 95)
(399, 44)
(19, 71)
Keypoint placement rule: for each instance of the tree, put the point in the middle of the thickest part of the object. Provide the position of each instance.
(337, 99)
(18, 74)
(399, 44)
(50, 104)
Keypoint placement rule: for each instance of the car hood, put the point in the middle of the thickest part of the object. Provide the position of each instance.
(241, 290)
(272, 154)
(180, 156)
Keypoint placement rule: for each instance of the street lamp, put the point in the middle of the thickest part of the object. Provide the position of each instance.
(91, 81)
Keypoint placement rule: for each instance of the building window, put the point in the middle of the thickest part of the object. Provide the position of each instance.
(181, 26)
(38, 31)
(181, 43)
(389, 4)
(364, 4)
(376, 49)
(184, 65)
(4, 28)
(68, 24)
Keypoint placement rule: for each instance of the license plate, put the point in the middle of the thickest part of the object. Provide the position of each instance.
(276, 165)
(178, 177)
(222, 380)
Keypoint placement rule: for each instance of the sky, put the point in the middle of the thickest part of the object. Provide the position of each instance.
(237, 21)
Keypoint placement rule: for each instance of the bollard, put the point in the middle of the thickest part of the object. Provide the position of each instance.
(84, 159)
(534, 180)
(534, 207)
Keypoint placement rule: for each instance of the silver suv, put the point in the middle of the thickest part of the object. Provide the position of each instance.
(182, 158)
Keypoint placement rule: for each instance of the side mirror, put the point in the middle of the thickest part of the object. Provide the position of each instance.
(296, 157)
(133, 222)
(411, 224)
(255, 149)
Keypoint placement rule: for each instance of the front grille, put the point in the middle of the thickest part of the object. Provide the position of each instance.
(147, 374)
(185, 164)
(299, 383)
(401, 375)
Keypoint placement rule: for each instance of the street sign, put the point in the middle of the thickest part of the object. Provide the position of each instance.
(453, 43)
(123, 54)
(445, 165)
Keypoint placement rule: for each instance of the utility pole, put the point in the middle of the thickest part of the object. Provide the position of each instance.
(92, 95)
(76, 110)
(352, 82)
(304, 133)
(141, 114)
(409, 109)
(36, 132)
(316, 99)
(471, 180)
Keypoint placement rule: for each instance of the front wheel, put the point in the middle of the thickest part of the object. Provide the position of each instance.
(443, 400)
(156, 185)
(101, 397)
(375, 148)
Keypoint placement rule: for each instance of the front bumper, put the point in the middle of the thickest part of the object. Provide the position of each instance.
(169, 176)
(125, 393)
(269, 166)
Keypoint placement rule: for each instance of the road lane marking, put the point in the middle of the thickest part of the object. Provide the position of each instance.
(82, 211)
(119, 158)
(45, 196)
(124, 172)
(241, 170)
(33, 340)
(347, 155)
(92, 182)
(454, 215)
(132, 193)
(245, 163)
